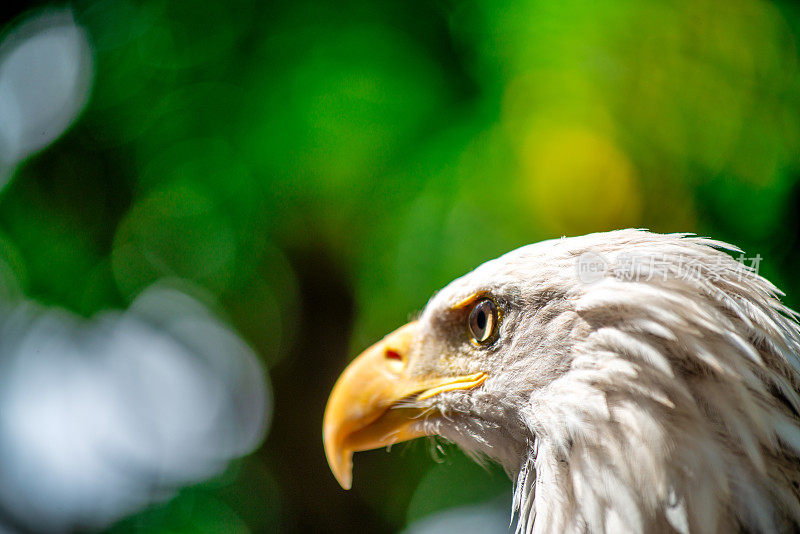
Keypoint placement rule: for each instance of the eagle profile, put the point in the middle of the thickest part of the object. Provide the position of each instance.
(626, 381)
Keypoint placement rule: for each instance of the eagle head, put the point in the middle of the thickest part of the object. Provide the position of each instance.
(627, 382)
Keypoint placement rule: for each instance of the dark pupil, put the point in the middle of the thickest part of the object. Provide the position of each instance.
(481, 319)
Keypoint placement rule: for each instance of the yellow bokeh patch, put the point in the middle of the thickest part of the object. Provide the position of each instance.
(577, 181)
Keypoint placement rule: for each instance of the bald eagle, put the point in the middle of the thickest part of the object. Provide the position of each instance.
(626, 381)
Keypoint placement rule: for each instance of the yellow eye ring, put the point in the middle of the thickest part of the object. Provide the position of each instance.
(483, 321)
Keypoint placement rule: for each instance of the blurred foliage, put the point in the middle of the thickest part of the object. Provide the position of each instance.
(322, 168)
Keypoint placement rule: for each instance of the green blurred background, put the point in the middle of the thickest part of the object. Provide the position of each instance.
(321, 168)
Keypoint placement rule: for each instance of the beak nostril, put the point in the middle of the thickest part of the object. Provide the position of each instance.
(393, 355)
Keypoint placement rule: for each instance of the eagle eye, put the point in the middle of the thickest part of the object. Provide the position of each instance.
(482, 321)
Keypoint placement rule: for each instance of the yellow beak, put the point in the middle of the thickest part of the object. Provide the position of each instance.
(363, 411)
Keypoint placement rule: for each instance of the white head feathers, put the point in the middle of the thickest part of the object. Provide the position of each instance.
(639, 383)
